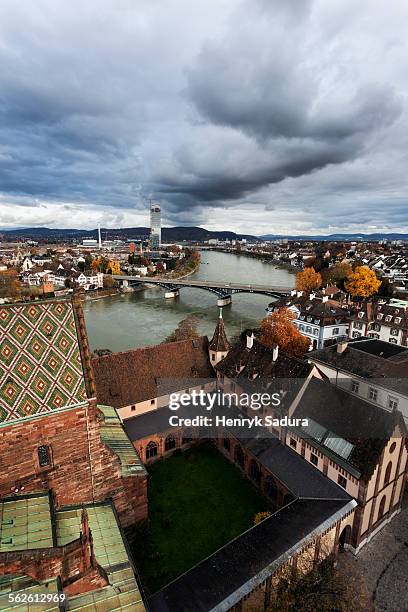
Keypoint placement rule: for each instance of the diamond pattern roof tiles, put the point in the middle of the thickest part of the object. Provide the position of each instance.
(40, 360)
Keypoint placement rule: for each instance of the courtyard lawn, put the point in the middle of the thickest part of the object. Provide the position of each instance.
(198, 501)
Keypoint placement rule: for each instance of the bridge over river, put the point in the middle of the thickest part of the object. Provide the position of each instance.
(222, 290)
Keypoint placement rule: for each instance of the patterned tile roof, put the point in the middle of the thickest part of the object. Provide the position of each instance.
(40, 359)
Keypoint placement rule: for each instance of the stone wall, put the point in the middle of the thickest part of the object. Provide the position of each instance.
(82, 469)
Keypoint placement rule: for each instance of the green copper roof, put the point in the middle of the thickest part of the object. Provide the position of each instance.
(25, 524)
(40, 360)
(31, 528)
(25, 584)
(110, 552)
(114, 436)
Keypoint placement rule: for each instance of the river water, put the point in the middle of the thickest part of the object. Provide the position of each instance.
(141, 318)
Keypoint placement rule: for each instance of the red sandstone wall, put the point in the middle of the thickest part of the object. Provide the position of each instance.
(70, 478)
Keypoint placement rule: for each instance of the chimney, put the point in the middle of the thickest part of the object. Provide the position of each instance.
(325, 298)
(275, 352)
(250, 340)
(341, 346)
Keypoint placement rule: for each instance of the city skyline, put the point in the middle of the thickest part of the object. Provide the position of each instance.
(225, 123)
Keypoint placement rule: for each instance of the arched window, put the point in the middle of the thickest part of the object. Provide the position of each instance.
(44, 455)
(345, 536)
(382, 507)
(270, 488)
(255, 472)
(187, 436)
(169, 443)
(227, 444)
(239, 455)
(151, 450)
(388, 473)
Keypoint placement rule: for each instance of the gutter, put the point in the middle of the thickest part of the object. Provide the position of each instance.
(259, 578)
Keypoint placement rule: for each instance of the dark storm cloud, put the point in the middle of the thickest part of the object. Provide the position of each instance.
(265, 104)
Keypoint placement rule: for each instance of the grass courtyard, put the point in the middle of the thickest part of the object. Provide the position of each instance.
(198, 502)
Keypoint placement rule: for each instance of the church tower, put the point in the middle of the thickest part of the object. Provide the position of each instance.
(219, 345)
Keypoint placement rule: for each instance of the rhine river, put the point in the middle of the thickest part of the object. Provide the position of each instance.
(141, 318)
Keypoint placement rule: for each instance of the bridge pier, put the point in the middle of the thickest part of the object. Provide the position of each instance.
(224, 301)
(172, 294)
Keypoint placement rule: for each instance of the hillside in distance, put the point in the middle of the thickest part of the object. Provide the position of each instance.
(179, 234)
(169, 234)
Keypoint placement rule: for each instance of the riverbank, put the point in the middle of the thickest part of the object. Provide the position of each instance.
(265, 258)
(142, 318)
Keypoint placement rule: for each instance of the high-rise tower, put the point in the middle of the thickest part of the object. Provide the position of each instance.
(155, 226)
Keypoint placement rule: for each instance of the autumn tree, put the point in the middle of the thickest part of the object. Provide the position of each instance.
(308, 280)
(278, 328)
(187, 329)
(109, 282)
(339, 272)
(113, 267)
(363, 282)
(10, 285)
(326, 588)
(261, 516)
(99, 264)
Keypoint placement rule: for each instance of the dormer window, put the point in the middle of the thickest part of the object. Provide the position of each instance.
(397, 320)
(388, 318)
(361, 315)
(380, 316)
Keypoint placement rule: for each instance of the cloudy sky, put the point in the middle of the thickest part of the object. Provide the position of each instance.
(260, 116)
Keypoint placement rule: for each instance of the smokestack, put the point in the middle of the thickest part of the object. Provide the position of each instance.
(275, 352)
(99, 237)
(341, 346)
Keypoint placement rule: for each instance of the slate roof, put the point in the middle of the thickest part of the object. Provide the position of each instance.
(369, 358)
(328, 312)
(233, 571)
(241, 363)
(383, 314)
(134, 376)
(155, 422)
(343, 415)
(41, 361)
(219, 341)
(299, 476)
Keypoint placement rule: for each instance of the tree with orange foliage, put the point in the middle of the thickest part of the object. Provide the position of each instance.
(10, 285)
(308, 280)
(278, 328)
(113, 267)
(363, 282)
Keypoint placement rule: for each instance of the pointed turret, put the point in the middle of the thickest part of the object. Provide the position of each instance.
(219, 345)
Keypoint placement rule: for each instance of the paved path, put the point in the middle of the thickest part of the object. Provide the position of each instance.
(384, 565)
